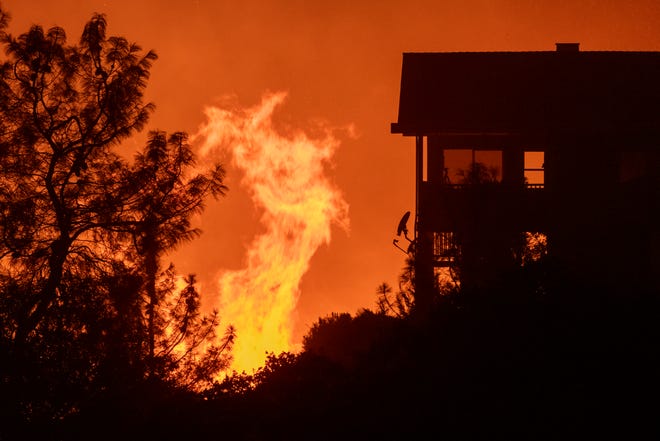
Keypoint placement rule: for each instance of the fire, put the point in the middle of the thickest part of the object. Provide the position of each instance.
(285, 177)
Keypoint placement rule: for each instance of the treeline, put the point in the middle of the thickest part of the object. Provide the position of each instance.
(538, 354)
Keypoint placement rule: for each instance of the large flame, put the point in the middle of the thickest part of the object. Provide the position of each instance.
(285, 176)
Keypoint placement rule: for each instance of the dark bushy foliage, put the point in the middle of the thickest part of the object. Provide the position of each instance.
(536, 355)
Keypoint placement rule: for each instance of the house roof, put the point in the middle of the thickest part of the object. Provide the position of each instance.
(491, 92)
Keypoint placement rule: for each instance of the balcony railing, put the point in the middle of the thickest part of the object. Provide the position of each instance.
(445, 248)
(465, 186)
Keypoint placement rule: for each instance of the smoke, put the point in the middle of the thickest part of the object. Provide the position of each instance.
(285, 175)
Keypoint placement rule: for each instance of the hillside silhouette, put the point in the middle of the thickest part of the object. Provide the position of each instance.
(538, 355)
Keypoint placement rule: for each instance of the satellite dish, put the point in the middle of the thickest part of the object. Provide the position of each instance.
(402, 225)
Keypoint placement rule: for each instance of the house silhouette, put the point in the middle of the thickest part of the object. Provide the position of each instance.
(560, 146)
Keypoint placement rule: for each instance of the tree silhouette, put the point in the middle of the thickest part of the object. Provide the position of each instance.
(86, 307)
(478, 173)
(63, 107)
(162, 199)
(397, 304)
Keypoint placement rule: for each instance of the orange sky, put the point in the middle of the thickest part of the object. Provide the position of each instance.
(339, 62)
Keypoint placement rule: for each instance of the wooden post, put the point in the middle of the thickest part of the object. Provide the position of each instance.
(423, 239)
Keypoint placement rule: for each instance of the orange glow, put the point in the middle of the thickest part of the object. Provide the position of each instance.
(285, 177)
(339, 60)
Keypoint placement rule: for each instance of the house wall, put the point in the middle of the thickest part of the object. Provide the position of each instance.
(597, 222)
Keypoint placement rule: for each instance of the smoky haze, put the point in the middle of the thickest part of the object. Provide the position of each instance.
(340, 61)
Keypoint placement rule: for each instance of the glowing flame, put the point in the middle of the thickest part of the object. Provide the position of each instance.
(285, 176)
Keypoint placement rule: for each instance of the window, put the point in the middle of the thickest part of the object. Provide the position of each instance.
(534, 169)
(466, 166)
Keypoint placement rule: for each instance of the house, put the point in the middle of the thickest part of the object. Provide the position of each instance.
(559, 146)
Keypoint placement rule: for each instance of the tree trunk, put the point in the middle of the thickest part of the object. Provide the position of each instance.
(32, 317)
(151, 271)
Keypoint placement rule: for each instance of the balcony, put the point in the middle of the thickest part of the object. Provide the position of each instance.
(497, 206)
